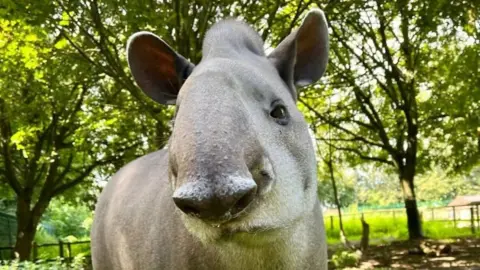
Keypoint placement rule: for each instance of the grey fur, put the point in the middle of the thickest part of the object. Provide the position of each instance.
(224, 142)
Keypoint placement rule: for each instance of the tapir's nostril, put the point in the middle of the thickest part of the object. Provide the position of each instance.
(195, 199)
(187, 205)
(244, 201)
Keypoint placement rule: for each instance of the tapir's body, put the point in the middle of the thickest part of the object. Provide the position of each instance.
(235, 188)
(137, 234)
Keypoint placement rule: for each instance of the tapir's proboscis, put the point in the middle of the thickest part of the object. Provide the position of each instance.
(236, 185)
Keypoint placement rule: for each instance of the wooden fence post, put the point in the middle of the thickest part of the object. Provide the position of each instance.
(478, 217)
(454, 217)
(60, 249)
(472, 220)
(331, 223)
(433, 214)
(69, 248)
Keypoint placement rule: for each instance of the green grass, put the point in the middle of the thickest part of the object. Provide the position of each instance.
(385, 227)
(381, 228)
(446, 229)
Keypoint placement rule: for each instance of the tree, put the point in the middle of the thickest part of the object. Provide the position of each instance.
(328, 160)
(390, 97)
(56, 127)
(99, 29)
(376, 186)
(439, 184)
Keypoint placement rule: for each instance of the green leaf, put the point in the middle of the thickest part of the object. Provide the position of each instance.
(65, 21)
(61, 43)
(31, 37)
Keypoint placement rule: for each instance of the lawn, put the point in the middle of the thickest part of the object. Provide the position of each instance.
(385, 227)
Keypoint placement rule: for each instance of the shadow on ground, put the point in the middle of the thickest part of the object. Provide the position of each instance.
(463, 253)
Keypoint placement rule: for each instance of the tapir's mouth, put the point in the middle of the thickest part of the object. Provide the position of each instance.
(254, 235)
(242, 229)
(233, 216)
(256, 229)
(238, 224)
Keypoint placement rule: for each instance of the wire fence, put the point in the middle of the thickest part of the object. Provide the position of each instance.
(51, 251)
(8, 228)
(462, 220)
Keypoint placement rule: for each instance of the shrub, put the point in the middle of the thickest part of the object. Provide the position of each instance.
(344, 258)
(78, 263)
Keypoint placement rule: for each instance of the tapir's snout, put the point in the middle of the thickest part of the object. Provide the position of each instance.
(215, 201)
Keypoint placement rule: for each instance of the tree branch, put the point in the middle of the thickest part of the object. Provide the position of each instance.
(371, 112)
(66, 169)
(6, 133)
(112, 59)
(33, 164)
(71, 115)
(77, 180)
(271, 17)
(396, 73)
(390, 92)
(301, 8)
(49, 181)
(85, 56)
(336, 125)
(362, 155)
(58, 190)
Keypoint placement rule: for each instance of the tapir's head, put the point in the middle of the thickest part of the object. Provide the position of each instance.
(241, 159)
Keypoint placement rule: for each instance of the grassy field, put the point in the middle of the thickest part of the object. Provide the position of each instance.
(386, 227)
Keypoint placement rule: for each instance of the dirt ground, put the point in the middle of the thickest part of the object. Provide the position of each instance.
(464, 254)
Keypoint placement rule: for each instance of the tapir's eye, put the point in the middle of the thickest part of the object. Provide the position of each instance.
(280, 114)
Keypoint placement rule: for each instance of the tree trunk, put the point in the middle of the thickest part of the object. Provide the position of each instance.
(335, 194)
(27, 221)
(413, 217)
(343, 237)
(365, 234)
(23, 246)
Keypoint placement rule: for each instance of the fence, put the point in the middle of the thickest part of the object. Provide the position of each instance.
(461, 218)
(8, 228)
(49, 252)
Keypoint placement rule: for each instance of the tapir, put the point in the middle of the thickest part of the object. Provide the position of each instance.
(235, 187)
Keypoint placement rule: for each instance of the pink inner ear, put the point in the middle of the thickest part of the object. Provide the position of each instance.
(160, 61)
(159, 64)
(307, 39)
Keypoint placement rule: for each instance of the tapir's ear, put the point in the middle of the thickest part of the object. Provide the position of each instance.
(157, 68)
(302, 57)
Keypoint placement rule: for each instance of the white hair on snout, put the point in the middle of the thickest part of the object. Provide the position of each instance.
(255, 227)
(247, 248)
